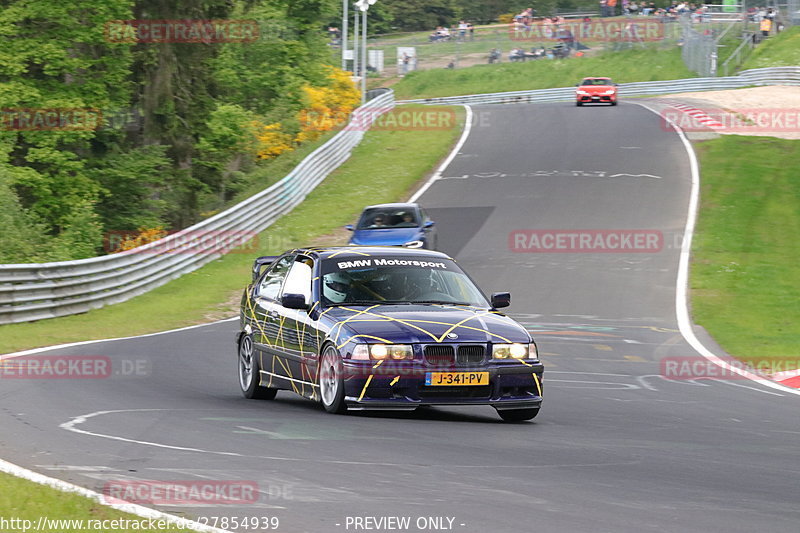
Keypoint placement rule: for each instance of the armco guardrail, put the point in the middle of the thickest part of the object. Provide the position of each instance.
(759, 76)
(36, 291)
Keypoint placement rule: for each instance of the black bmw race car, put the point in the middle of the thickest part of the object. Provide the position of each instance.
(382, 328)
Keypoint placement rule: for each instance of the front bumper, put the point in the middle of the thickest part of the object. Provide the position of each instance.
(402, 386)
(584, 99)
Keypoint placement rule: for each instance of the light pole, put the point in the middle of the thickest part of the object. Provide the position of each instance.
(364, 5)
(343, 38)
(355, 43)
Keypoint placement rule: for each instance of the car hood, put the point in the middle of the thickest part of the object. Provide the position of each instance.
(427, 324)
(385, 237)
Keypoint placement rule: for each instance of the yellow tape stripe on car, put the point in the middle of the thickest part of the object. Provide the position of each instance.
(369, 379)
(538, 386)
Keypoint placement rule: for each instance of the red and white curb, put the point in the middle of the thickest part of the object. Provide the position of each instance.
(789, 378)
(698, 115)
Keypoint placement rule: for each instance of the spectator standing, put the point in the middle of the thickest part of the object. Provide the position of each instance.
(765, 26)
(406, 63)
(462, 30)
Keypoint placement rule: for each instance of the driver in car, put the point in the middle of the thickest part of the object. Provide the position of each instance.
(379, 222)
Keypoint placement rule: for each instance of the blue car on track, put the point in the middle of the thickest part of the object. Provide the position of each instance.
(382, 328)
(394, 225)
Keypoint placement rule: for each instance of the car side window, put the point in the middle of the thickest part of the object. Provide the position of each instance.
(271, 283)
(298, 280)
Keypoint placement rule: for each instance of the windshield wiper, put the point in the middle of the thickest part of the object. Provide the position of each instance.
(374, 302)
(444, 302)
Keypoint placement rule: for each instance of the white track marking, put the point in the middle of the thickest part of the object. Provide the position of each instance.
(131, 508)
(418, 465)
(70, 426)
(682, 284)
(453, 154)
(84, 343)
(643, 382)
(746, 387)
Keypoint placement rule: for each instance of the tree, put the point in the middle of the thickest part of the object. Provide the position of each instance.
(417, 15)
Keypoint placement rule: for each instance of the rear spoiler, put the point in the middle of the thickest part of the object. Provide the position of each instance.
(263, 261)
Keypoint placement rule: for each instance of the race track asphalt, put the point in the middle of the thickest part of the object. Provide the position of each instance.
(617, 448)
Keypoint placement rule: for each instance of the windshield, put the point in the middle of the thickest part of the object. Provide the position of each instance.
(386, 217)
(384, 280)
(597, 81)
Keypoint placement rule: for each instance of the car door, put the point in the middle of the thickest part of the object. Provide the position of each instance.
(298, 340)
(267, 309)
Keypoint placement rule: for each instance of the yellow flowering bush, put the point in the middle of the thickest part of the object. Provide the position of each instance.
(272, 142)
(144, 236)
(326, 108)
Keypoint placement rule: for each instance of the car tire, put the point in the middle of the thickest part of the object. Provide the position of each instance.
(330, 380)
(518, 415)
(578, 104)
(614, 102)
(250, 372)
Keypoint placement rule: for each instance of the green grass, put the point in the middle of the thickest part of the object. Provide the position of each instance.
(639, 64)
(382, 169)
(25, 500)
(782, 50)
(745, 276)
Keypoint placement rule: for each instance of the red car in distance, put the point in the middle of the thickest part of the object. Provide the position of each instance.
(596, 91)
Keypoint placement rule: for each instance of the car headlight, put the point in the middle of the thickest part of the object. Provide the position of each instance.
(514, 351)
(414, 244)
(382, 352)
(612, 91)
(583, 93)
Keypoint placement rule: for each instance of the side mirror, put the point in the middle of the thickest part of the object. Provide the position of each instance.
(349, 227)
(428, 224)
(263, 261)
(294, 301)
(501, 299)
